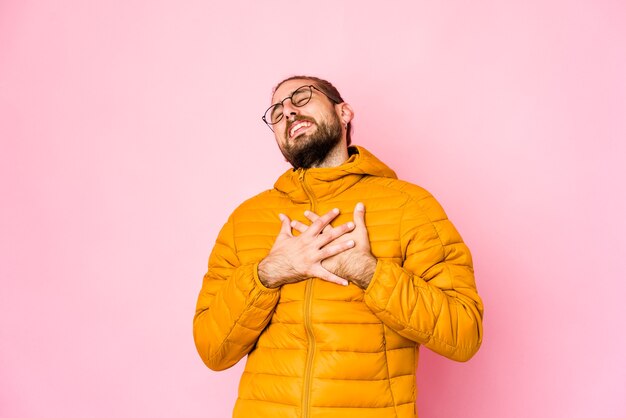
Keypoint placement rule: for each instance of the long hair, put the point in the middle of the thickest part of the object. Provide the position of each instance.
(328, 89)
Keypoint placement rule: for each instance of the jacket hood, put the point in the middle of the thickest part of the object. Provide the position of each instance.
(325, 183)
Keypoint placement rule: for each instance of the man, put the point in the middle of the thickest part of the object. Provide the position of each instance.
(332, 280)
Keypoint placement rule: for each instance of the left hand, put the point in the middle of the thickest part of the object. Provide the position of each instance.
(356, 264)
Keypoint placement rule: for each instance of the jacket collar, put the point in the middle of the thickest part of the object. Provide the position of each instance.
(326, 183)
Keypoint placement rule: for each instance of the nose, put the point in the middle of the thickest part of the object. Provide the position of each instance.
(289, 109)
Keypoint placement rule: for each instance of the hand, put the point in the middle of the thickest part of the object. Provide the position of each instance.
(293, 259)
(357, 264)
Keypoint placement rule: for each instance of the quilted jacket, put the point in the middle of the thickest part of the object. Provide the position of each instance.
(320, 350)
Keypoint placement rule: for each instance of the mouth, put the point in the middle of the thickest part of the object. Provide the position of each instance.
(299, 127)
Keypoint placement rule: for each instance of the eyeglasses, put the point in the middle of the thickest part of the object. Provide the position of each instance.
(299, 98)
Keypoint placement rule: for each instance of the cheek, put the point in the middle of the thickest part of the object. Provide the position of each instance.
(279, 128)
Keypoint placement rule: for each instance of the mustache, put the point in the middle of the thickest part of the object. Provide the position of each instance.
(295, 120)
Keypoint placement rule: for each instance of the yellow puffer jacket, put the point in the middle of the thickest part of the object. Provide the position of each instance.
(320, 350)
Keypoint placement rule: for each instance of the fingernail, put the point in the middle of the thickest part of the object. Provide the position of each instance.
(350, 224)
(360, 206)
(335, 210)
(351, 243)
(345, 283)
(306, 213)
(281, 216)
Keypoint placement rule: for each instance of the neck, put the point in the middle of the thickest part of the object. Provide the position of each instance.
(335, 157)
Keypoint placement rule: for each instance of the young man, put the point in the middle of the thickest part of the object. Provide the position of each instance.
(332, 280)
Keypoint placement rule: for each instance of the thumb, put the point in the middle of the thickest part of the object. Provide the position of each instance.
(285, 226)
(359, 214)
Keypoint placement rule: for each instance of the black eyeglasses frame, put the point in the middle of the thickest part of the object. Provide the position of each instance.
(311, 87)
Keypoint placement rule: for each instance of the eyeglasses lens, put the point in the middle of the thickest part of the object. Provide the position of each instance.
(299, 98)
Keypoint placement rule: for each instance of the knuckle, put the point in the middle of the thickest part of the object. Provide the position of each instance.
(337, 232)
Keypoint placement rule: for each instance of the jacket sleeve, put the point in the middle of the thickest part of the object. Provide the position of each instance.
(431, 298)
(233, 306)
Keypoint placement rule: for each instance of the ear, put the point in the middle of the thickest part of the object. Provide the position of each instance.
(345, 112)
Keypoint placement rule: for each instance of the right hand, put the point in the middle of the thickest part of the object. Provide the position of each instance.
(293, 259)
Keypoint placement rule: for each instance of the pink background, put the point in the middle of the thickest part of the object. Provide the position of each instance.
(131, 129)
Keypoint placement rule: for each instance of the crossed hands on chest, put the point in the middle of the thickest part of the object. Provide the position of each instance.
(338, 254)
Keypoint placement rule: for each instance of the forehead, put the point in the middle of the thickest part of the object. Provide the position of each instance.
(289, 87)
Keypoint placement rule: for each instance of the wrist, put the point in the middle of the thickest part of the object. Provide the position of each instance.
(367, 273)
(264, 275)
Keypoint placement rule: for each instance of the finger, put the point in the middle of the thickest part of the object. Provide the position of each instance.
(312, 216)
(299, 226)
(324, 274)
(334, 233)
(359, 214)
(285, 227)
(321, 222)
(335, 248)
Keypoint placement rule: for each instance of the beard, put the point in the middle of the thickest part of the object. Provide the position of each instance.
(310, 151)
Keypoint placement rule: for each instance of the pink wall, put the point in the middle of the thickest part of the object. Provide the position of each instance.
(130, 129)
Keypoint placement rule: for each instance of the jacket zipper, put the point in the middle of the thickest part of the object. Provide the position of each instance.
(311, 349)
(308, 296)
